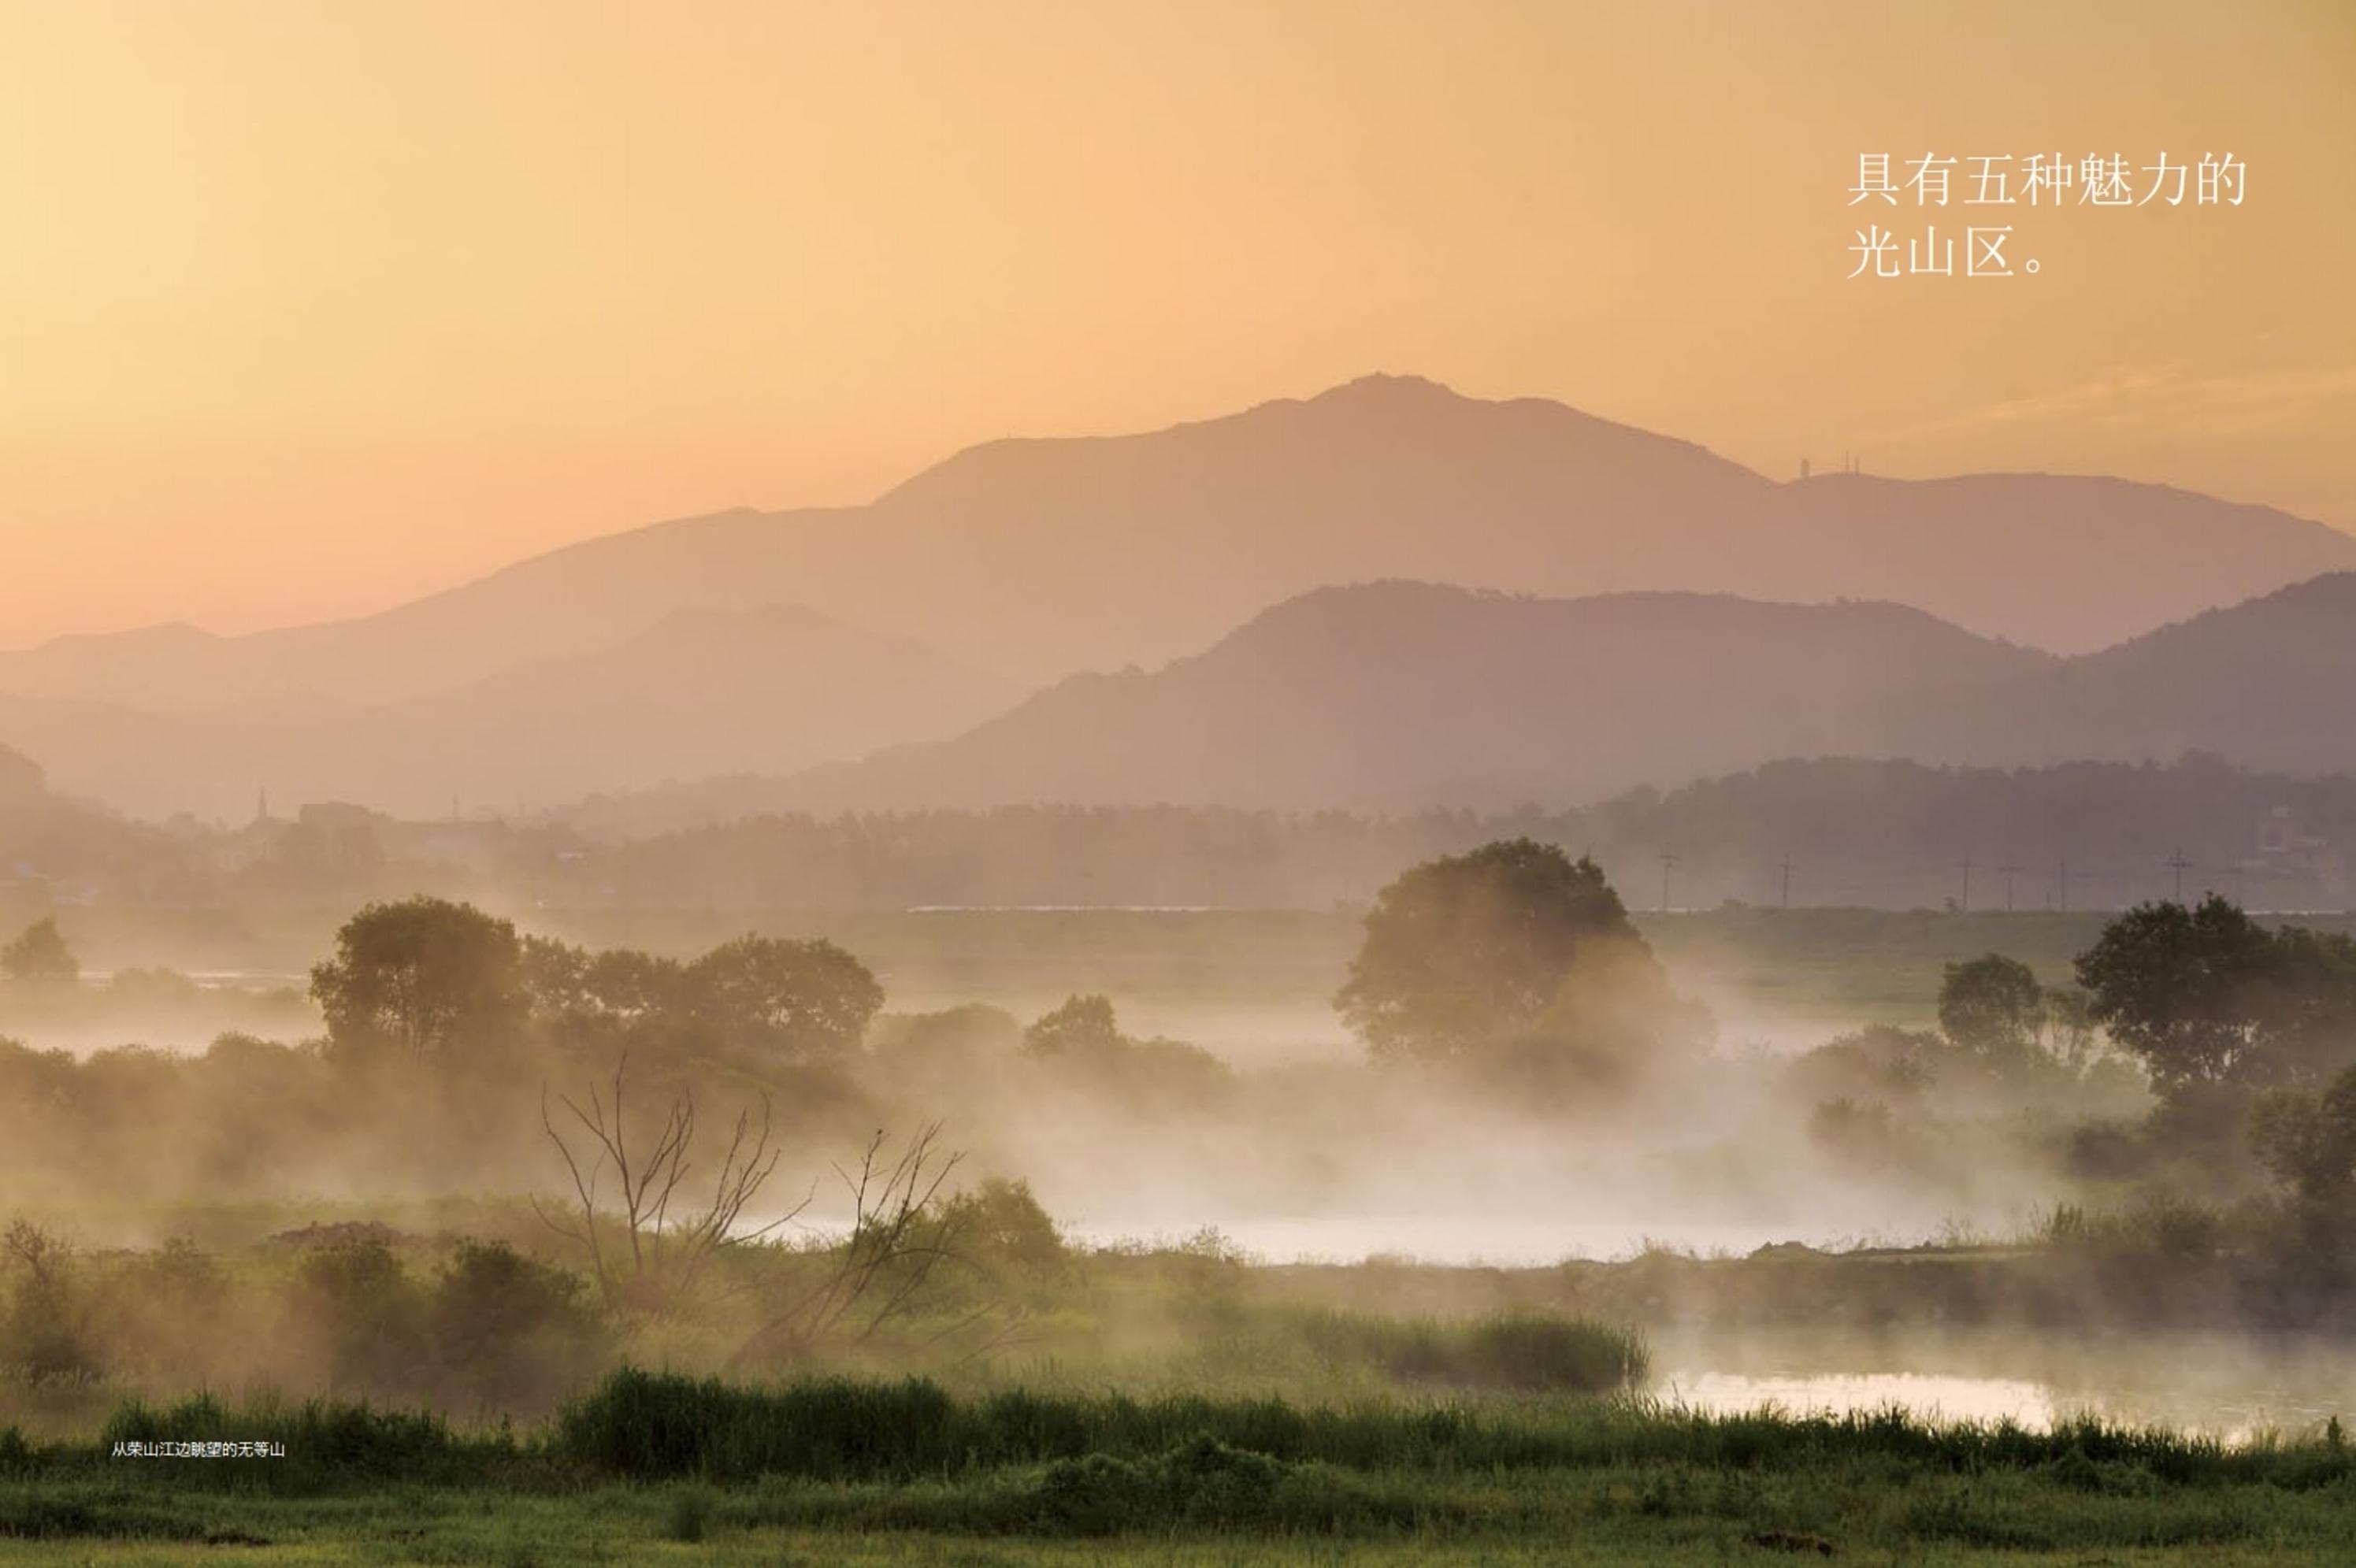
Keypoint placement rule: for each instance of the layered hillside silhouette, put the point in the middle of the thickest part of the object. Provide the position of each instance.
(1399, 696)
(2270, 683)
(72, 845)
(699, 693)
(664, 655)
(1390, 695)
(1037, 558)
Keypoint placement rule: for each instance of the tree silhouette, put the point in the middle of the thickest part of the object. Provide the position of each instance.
(1992, 1006)
(39, 956)
(1512, 956)
(424, 979)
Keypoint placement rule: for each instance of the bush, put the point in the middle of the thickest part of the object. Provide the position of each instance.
(46, 1333)
(509, 1333)
(1081, 1043)
(357, 1312)
(1522, 1351)
(1002, 1231)
(1201, 1483)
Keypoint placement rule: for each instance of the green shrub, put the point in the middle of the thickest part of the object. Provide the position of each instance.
(509, 1333)
(1522, 1352)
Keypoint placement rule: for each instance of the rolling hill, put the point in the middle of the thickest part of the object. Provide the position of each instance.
(1398, 696)
(700, 692)
(2269, 683)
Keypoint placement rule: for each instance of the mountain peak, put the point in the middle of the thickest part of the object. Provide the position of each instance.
(1038, 556)
(1390, 388)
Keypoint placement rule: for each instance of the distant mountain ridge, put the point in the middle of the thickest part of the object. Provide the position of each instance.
(1039, 556)
(1405, 696)
(2269, 683)
(666, 653)
(700, 692)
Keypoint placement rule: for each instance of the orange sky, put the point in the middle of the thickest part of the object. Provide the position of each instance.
(308, 307)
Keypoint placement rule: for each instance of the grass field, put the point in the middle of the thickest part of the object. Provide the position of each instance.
(649, 1469)
(1603, 1520)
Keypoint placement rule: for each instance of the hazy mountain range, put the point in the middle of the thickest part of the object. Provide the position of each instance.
(670, 653)
(1398, 696)
(1038, 558)
(698, 693)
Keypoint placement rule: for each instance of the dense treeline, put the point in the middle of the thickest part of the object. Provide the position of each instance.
(1892, 834)
(1823, 832)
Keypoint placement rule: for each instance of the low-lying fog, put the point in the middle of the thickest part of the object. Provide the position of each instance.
(1753, 1185)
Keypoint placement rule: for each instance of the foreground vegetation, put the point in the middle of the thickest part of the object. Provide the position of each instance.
(658, 1467)
(909, 1354)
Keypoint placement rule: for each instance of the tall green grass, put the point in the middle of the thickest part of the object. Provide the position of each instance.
(650, 1427)
(647, 1425)
(679, 1461)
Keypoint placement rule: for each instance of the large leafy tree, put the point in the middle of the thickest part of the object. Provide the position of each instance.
(424, 980)
(803, 998)
(1082, 1025)
(2306, 1139)
(2208, 995)
(1991, 1005)
(1510, 954)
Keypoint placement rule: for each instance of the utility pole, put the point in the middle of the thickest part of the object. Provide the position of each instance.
(1668, 864)
(2180, 865)
(1967, 884)
(2008, 869)
(1787, 882)
(2064, 860)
